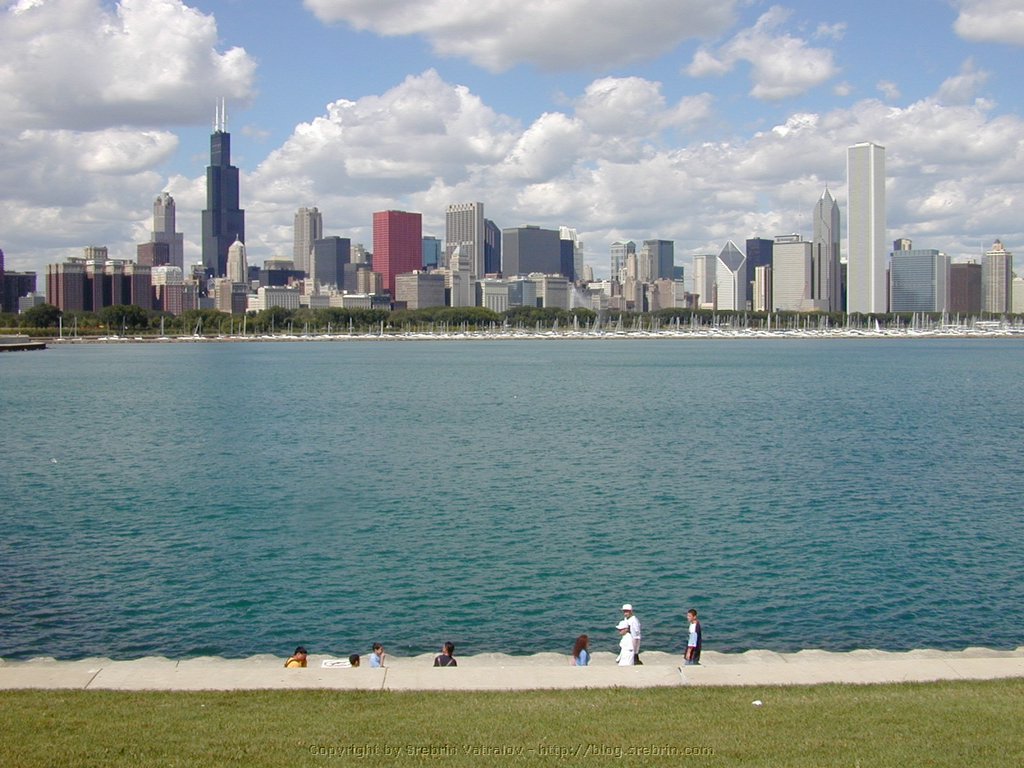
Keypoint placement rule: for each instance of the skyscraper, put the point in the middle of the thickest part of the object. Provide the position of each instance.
(464, 227)
(620, 252)
(731, 278)
(530, 249)
(397, 245)
(328, 260)
(759, 254)
(996, 278)
(965, 288)
(569, 234)
(492, 248)
(827, 288)
(238, 264)
(433, 247)
(164, 229)
(791, 274)
(309, 227)
(704, 278)
(865, 219)
(223, 220)
(662, 258)
(919, 280)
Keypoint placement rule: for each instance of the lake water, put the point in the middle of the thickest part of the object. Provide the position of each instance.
(232, 499)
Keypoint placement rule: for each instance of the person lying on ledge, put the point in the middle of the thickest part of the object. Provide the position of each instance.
(447, 656)
(297, 660)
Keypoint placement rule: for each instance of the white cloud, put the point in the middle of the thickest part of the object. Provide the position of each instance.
(833, 31)
(963, 88)
(888, 89)
(607, 163)
(568, 34)
(990, 21)
(86, 87)
(560, 169)
(77, 64)
(781, 65)
(396, 142)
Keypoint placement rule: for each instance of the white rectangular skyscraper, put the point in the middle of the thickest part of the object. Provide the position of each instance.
(865, 218)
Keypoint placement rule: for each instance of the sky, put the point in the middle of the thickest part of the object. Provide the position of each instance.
(677, 120)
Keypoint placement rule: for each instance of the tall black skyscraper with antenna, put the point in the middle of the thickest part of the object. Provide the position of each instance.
(223, 220)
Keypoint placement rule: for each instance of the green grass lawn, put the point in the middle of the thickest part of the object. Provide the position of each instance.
(936, 724)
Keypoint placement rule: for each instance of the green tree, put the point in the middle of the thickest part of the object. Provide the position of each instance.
(41, 316)
(124, 316)
(274, 319)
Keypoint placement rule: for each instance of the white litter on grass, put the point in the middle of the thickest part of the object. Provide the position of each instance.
(757, 702)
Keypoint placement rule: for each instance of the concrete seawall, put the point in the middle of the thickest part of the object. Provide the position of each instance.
(489, 672)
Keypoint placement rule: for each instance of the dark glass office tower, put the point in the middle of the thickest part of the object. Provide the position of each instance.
(223, 220)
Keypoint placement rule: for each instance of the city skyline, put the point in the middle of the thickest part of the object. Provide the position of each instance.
(713, 125)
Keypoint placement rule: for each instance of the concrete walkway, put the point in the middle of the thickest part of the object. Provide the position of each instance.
(501, 672)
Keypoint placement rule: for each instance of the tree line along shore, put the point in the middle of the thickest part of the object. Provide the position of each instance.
(47, 321)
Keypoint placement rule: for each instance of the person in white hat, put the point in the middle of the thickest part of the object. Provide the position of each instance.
(625, 657)
(634, 630)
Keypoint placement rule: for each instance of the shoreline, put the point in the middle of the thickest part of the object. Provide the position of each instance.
(496, 671)
(691, 335)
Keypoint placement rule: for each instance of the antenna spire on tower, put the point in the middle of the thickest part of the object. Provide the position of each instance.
(220, 116)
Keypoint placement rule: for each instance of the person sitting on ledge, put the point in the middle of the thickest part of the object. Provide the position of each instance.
(354, 659)
(377, 657)
(580, 652)
(297, 660)
(446, 657)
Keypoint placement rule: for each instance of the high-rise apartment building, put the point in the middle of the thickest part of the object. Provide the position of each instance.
(464, 228)
(620, 252)
(397, 245)
(153, 254)
(65, 285)
(996, 279)
(918, 281)
(164, 226)
(90, 284)
(168, 289)
(13, 286)
(865, 220)
(827, 287)
(309, 227)
(223, 220)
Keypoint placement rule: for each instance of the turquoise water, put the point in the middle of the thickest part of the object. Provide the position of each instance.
(234, 499)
